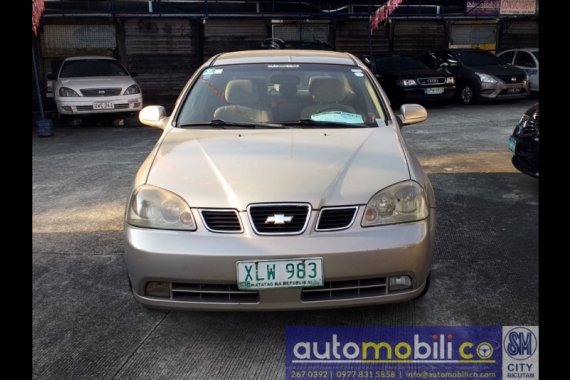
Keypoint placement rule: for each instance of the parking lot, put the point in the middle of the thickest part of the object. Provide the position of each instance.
(87, 325)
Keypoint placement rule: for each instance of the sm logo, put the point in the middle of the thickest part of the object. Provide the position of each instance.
(520, 343)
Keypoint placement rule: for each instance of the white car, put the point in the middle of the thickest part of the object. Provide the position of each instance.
(93, 85)
(525, 59)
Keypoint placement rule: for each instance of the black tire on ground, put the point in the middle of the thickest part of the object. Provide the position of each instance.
(467, 94)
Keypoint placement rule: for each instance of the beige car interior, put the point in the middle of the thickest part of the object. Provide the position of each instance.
(243, 99)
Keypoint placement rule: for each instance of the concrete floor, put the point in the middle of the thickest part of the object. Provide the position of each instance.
(86, 324)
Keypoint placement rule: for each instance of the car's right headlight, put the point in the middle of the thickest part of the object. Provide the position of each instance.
(487, 78)
(67, 92)
(406, 82)
(399, 203)
(153, 207)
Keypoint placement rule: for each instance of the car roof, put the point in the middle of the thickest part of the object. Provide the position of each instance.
(79, 58)
(284, 56)
(520, 49)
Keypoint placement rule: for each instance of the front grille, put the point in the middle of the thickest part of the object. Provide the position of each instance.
(512, 91)
(212, 293)
(279, 219)
(350, 289)
(509, 78)
(225, 221)
(336, 218)
(100, 91)
(431, 81)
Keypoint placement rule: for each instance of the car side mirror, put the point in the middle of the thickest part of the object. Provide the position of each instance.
(411, 114)
(50, 76)
(133, 74)
(153, 116)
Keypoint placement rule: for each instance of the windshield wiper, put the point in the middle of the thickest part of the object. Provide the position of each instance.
(218, 123)
(322, 123)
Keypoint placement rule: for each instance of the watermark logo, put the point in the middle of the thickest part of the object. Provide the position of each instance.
(520, 352)
(520, 343)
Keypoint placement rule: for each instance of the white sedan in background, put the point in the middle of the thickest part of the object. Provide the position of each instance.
(525, 59)
(94, 85)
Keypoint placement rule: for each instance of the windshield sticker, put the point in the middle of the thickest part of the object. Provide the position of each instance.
(283, 66)
(357, 72)
(338, 117)
(209, 72)
(380, 123)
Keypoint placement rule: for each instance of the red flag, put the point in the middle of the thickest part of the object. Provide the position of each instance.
(383, 13)
(37, 10)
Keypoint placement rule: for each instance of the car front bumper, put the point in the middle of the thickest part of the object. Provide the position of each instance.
(206, 262)
(89, 105)
(420, 94)
(504, 90)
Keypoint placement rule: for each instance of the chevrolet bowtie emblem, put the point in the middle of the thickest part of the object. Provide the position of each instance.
(278, 219)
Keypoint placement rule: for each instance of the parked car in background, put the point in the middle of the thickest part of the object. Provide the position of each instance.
(277, 43)
(479, 74)
(95, 85)
(281, 181)
(407, 79)
(524, 59)
(524, 143)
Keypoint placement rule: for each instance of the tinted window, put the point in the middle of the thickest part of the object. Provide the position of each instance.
(524, 59)
(535, 53)
(477, 58)
(507, 57)
(398, 62)
(92, 68)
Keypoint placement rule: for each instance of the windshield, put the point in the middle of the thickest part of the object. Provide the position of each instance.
(282, 95)
(477, 58)
(398, 63)
(92, 68)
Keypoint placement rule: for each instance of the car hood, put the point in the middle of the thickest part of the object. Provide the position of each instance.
(419, 73)
(97, 82)
(498, 70)
(234, 168)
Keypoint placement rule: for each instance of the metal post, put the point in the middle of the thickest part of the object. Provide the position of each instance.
(369, 35)
(44, 126)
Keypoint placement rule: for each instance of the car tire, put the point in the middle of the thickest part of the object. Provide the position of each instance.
(426, 288)
(467, 94)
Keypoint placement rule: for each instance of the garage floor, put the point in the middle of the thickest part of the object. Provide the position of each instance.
(86, 324)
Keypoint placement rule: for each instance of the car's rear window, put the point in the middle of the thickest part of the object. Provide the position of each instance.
(283, 92)
(92, 68)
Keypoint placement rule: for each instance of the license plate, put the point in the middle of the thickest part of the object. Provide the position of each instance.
(434, 90)
(513, 90)
(512, 144)
(286, 273)
(103, 106)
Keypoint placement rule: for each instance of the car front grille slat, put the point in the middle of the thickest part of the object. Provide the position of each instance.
(223, 221)
(336, 218)
(93, 92)
(279, 219)
(212, 293)
(431, 81)
(350, 289)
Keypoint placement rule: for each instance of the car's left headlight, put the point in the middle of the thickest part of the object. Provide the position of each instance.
(153, 207)
(486, 78)
(403, 202)
(134, 89)
(449, 80)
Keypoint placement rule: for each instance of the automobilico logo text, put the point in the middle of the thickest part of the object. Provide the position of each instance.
(404, 352)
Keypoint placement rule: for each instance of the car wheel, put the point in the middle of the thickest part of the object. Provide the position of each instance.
(426, 288)
(467, 95)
